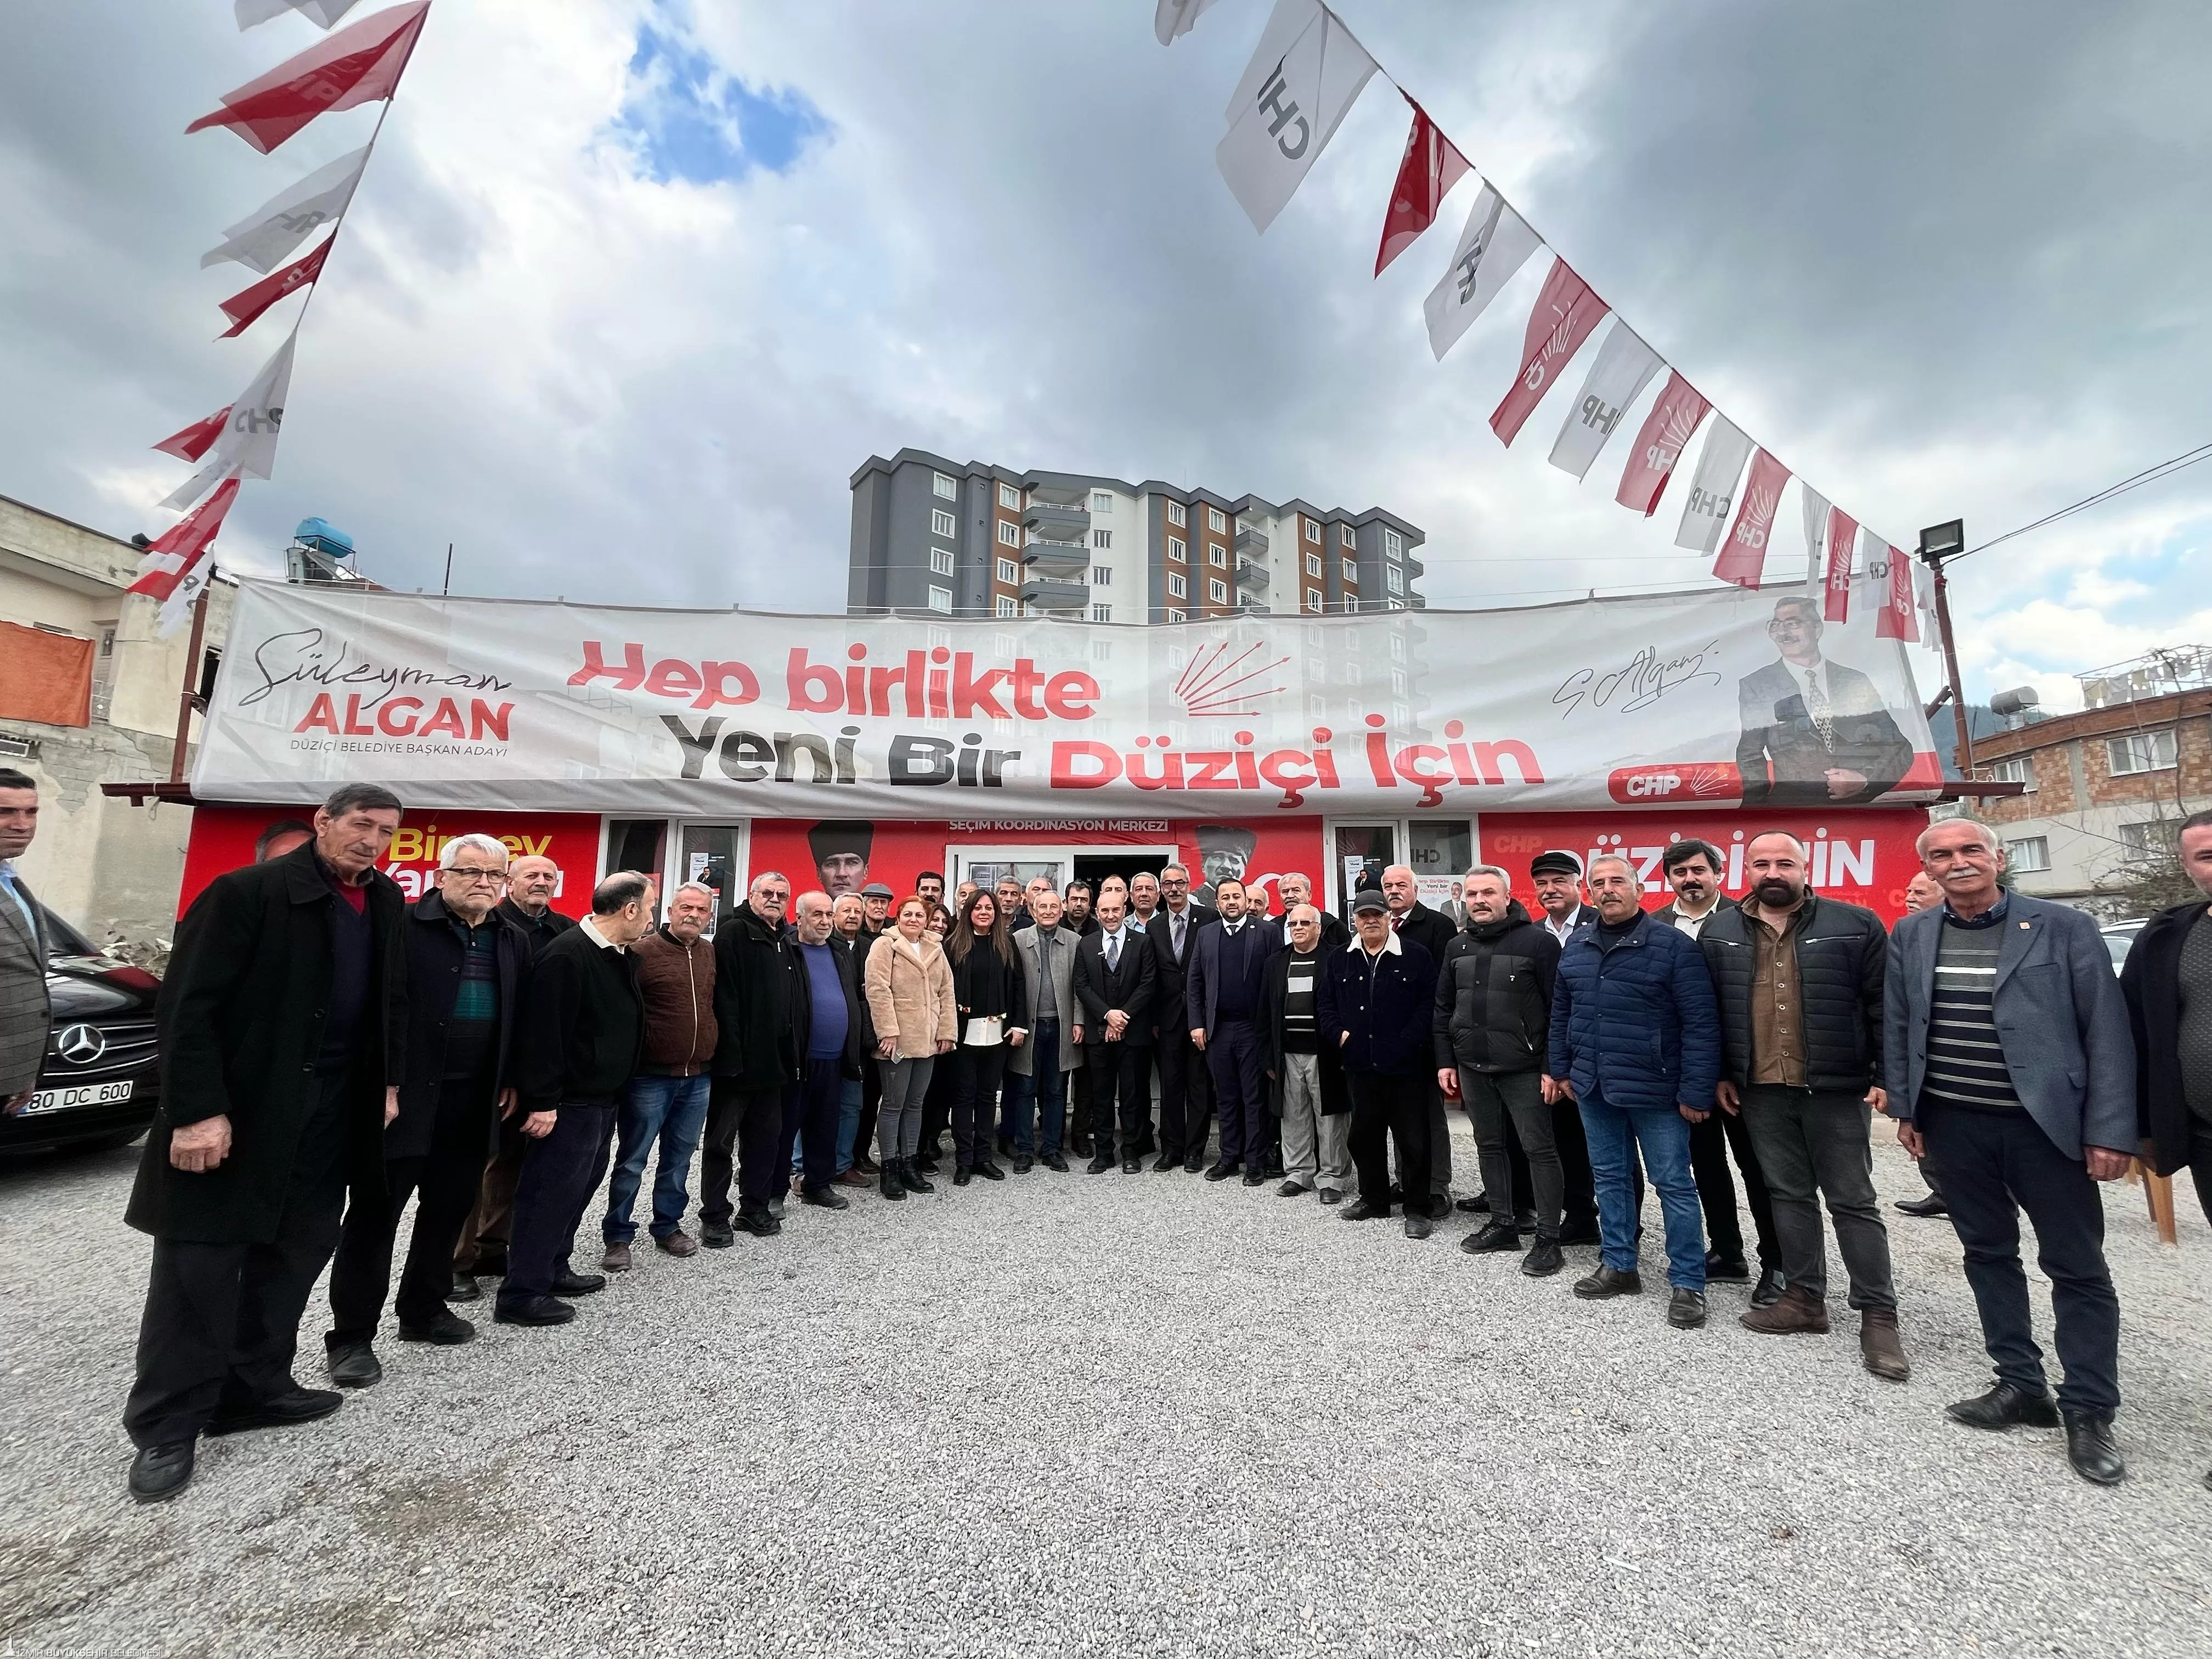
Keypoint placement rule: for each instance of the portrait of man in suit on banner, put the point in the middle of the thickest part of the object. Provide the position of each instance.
(1815, 733)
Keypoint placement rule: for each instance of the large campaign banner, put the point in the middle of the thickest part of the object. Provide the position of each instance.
(1727, 697)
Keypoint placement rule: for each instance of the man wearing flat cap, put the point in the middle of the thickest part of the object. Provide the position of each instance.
(877, 897)
(841, 848)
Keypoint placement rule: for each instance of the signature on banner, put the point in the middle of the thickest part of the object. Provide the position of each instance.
(1647, 679)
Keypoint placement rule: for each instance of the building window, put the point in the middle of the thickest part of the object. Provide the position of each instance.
(1177, 514)
(1217, 591)
(1394, 578)
(2144, 751)
(943, 484)
(1102, 575)
(942, 523)
(1216, 556)
(1217, 521)
(1009, 571)
(1102, 613)
(1343, 536)
(1009, 498)
(1010, 533)
(1351, 672)
(1316, 706)
(1176, 552)
(1175, 616)
(1314, 600)
(2029, 855)
(1101, 538)
(1100, 501)
(1398, 681)
(1397, 647)
(2015, 771)
(1312, 564)
(1177, 588)
(1350, 571)
(2150, 836)
(940, 560)
(1313, 531)
(1008, 605)
(940, 598)
(1394, 544)
(1316, 669)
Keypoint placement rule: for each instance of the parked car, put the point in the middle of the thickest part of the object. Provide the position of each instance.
(2120, 939)
(100, 1085)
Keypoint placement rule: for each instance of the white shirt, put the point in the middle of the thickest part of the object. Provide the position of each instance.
(591, 925)
(1562, 931)
(1390, 947)
(1693, 926)
(1806, 674)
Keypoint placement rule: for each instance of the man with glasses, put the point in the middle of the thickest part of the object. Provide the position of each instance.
(759, 1053)
(1297, 889)
(1186, 1091)
(1816, 733)
(1306, 1075)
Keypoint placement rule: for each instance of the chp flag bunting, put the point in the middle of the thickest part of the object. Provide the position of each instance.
(1491, 250)
(324, 14)
(1301, 82)
(248, 442)
(177, 609)
(1665, 434)
(1743, 556)
(1923, 601)
(192, 442)
(1566, 313)
(181, 546)
(1843, 538)
(1624, 367)
(1171, 19)
(1814, 505)
(1712, 490)
(359, 64)
(266, 236)
(246, 307)
(1432, 165)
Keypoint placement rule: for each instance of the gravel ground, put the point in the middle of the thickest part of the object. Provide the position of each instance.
(1104, 1417)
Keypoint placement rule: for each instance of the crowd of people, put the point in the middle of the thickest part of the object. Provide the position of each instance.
(330, 1051)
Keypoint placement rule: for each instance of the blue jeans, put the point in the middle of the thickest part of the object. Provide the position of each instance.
(1045, 1081)
(848, 1125)
(671, 1110)
(1663, 1134)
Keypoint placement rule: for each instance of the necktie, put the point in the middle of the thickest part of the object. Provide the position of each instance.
(1816, 705)
(1178, 938)
(1394, 920)
(1113, 952)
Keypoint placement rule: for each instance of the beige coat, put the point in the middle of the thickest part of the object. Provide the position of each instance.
(911, 1002)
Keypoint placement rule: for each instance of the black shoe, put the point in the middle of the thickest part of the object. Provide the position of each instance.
(759, 1222)
(1930, 1206)
(465, 1288)
(1080, 1145)
(1772, 1282)
(828, 1198)
(448, 1330)
(538, 1310)
(1024, 1164)
(990, 1171)
(1220, 1171)
(355, 1365)
(924, 1163)
(1331, 1195)
(717, 1234)
(1099, 1165)
(1418, 1226)
(1479, 1205)
(1363, 1211)
(914, 1180)
(2003, 1406)
(1440, 1208)
(160, 1472)
(1006, 1146)
(1544, 1260)
(1272, 1170)
(1490, 1238)
(1254, 1178)
(1524, 1221)
(1165, 1161)
(1685, 1309)
(1606, 1282)
(1290, 1189)
(2090, 1450)
(1054, 1161)
(1193, 1163)
(1579, 1233)
(888, 1182)
(866, 1165)
(287, 1410)
(579, 1284)
(1132, 1166)
(962, 1177)
(1732, 1268)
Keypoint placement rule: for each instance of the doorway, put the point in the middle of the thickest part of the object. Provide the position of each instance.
(1095, 867)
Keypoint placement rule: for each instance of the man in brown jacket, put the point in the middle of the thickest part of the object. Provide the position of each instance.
(667, 1101)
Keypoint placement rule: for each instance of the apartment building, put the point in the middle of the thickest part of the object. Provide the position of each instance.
(975, 539)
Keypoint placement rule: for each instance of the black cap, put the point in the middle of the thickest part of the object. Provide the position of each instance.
(832, 837)
(1369, 900)
(1555, 863)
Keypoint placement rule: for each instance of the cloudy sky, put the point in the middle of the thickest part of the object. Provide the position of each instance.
(632, 286)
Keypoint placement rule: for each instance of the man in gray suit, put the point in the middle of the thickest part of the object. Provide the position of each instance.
(1046, 953)
(1822, 728)
(2009, 1065)
(25, 1010)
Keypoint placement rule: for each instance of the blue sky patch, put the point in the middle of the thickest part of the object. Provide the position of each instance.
(689, 119)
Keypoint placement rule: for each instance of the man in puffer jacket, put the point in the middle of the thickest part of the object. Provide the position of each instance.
(1493, 1022)
(1636, 1044)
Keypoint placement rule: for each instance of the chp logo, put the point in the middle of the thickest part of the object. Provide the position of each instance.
(1217, 683)
(1688, 782)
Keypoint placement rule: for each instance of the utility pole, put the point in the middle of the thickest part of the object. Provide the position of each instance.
(189, 699)
(1939, 543)
(447, 589)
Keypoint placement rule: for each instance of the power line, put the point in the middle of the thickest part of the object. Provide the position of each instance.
(2188, 458)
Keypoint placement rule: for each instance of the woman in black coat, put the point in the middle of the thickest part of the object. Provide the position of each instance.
(993, 1015)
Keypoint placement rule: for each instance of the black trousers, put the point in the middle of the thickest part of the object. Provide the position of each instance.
(937, 1104)
(1117, 1081)
(222, 1321)
(744, 1127)
(560, 1172)
(812, 1107)
(1240, 1084)
(871, 1097)
(1385, 1109)
(447, 1178)
(1711, 1143)
(2200, 1162)
(1989, 1164)
(978, 1073)
(1185, 1095)
(482, 1247)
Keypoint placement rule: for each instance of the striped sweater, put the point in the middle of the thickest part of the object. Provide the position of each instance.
(1965, 1061)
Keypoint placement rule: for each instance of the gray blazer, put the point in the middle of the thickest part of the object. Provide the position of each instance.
(2060, 1021)
(26, 1008)
(1063, 996)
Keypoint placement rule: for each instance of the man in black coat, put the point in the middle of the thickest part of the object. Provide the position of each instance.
(759, 987)
(1379, 1002)
(1222, 991)
(465, 972)
(580, 1039)
(1115, 985)
(1799, 980)
(1414, 921)
(282, 1025)
(1186, 1091)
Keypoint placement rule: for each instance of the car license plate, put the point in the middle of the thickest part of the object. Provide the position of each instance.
(85, 1094)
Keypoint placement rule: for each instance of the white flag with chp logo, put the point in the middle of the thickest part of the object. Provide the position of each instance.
(1173, 19)
(264, 238)
(1712, 492)
(249, 443)
(1495, 245)
(1815, 505)
(1304, 77)
(1624, 367)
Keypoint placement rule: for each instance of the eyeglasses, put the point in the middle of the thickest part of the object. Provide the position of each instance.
(474, 872)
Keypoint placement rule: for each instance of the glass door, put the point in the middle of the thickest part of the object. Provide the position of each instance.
(987, 866)
(713, 854)
(1439, 850)
(1359, 855)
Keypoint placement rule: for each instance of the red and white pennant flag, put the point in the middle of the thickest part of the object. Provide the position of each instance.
(184, 544)
(1566, 314)
(1843, 541)
(248, 303)
(1743, 556)
(192, 442)
(266, 236)
(1432, 165)
(359, 64)
(323, 14)
(1666, 433)
(1294, 94)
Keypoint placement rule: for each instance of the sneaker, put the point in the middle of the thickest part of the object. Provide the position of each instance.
(1544, 1260)
(1489, 1239)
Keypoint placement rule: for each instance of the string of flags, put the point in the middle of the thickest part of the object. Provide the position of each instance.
(1304, 75)
(360, 63)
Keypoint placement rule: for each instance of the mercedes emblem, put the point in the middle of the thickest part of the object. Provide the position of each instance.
(81, 1045)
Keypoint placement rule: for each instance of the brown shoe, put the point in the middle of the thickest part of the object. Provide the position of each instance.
(853, 1177)
(1879, 1344)
(616, 1259)
(1799, 1310)
(679, 1244)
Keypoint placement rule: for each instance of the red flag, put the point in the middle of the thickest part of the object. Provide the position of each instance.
(192, 442)
(359, 64)
(1432, 166)
(184, 544)
(1565, 315)
(248, 303)
(1743, 555)
(1897, 619)
(1842, 537)
(1665, 432)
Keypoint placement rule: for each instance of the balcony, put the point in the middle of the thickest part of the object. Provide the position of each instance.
(1052, 522)
(1067, 559)
(1251, 540)
(1251, 575)
(1046, 594)
(1061, 495)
